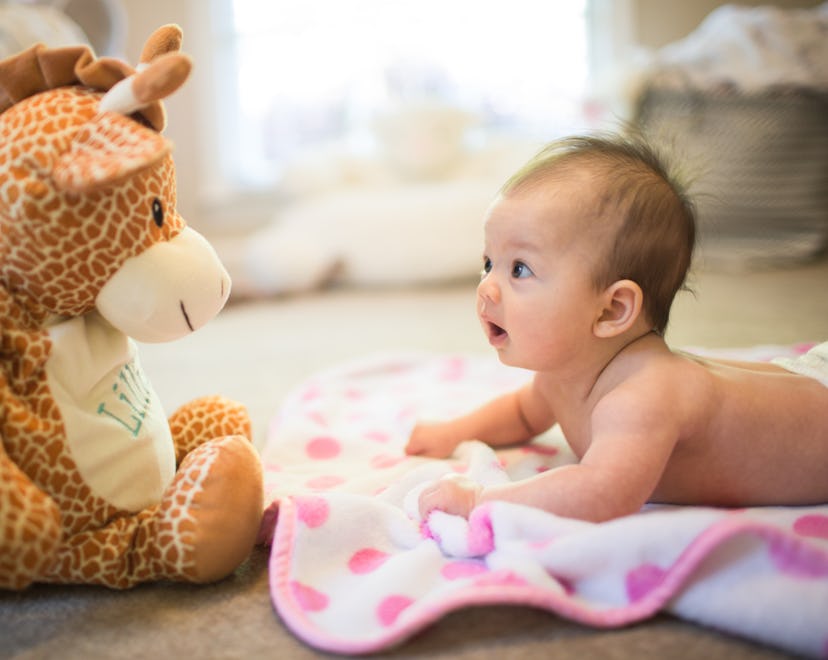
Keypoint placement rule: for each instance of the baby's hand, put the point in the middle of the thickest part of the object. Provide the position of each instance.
(453, 494)
(433, 440)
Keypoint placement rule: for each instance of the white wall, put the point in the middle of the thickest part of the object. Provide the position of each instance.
(653, 24)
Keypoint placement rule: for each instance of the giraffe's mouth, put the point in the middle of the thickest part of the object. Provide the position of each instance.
(170, 281)
(186, 316)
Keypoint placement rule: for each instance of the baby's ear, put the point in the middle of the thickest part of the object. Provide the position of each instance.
(621, 304)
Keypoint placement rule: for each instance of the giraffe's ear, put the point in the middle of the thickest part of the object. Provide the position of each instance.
(111, 147)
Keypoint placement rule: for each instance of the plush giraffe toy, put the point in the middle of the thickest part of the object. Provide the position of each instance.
(96, 485)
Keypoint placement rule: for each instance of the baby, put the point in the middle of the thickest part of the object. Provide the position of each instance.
(585, 249)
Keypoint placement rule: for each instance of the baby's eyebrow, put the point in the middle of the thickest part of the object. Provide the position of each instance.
(522, 245)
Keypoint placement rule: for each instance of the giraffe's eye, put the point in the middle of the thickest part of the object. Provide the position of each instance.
(157, 212)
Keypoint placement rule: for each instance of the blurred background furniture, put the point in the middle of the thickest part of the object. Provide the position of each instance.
(742, 102)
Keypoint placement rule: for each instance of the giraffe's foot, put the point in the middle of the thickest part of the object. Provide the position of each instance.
(203, 528)
(212, 510)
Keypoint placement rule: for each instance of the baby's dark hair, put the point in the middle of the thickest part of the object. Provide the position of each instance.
(656, 228)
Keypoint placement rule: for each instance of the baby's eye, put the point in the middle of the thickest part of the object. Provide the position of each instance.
(520, 270)
(487, 266)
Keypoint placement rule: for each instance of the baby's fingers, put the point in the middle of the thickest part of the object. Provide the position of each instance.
(452, 494)
(418, 447)
(417, 443)
(430, 499)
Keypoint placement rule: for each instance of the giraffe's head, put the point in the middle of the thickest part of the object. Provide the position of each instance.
(87, 193)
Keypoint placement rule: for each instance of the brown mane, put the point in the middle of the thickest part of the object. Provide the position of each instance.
(39, 69)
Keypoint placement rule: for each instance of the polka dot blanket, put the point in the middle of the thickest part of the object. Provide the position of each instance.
(354, 570)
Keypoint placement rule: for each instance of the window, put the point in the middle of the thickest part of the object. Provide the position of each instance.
(310, 71)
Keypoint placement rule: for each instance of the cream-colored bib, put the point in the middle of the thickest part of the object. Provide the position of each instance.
(116, 430)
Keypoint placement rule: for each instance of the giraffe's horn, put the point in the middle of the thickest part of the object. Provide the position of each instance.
(158, 80)
(166, 39)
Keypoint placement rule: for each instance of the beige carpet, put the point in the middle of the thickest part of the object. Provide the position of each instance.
(257, 352)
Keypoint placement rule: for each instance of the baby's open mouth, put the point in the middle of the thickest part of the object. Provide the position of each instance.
(495, 332)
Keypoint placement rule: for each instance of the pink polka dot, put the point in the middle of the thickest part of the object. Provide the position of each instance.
(457, 570)
(312, 510)
(322, 448)
(378, 436)
(317, 417)
(324, 482)
(311, 393)
(797, 560)
(799, 349)
(407, 412)
(391, 608)
(814, 525)
(480, 536)
(543, 450)
(502, 578)
(309, 599)
(642, 580)
(366, 560)
(386, 461)
(453, 369)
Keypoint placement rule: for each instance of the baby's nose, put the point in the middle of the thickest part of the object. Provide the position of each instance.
(488, 290)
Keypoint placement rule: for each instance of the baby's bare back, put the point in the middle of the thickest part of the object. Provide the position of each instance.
(756, 434)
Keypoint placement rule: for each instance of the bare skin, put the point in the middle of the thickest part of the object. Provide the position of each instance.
(647, 424)
(707, 433)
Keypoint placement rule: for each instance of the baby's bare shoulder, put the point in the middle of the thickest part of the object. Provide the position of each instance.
(660, 387)
(663, 374)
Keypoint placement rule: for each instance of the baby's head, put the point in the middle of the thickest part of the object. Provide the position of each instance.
(644, 216)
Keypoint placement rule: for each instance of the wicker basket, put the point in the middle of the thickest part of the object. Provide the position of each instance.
(758, 167)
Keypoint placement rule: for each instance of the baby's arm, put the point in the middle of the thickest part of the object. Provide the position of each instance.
(508, 419)
(631, 443)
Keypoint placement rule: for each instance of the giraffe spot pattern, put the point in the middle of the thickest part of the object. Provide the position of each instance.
(59, 247)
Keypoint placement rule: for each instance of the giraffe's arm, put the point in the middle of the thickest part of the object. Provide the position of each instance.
(204, 419)
(30, 527)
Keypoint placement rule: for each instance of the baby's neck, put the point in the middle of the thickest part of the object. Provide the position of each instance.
(646, 340)
(591, 377)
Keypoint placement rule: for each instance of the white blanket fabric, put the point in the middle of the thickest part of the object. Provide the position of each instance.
(354, 570)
